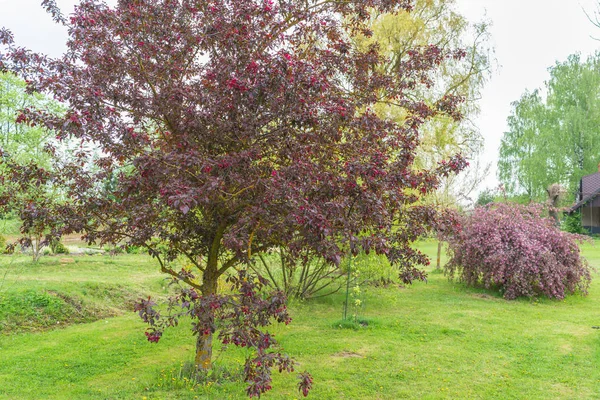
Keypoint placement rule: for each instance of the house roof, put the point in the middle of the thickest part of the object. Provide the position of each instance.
(590, 183)
(589, 190)
(584, 201)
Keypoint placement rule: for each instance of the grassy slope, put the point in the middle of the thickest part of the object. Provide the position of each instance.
(429, 341)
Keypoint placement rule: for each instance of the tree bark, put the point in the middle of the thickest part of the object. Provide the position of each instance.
(439, 255)
(203, 359)
(210, 282)
(36, 248)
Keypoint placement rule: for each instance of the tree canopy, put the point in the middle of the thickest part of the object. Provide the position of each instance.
(23, 143)
(439, 23)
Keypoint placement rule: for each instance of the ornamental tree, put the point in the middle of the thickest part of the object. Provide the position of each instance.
(226, 128)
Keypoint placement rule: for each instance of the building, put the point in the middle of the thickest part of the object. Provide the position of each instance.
(588, 202)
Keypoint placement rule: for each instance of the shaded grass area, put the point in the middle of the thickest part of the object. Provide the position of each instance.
(435, 340)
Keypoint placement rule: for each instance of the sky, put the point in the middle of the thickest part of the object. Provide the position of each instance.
(529, 36)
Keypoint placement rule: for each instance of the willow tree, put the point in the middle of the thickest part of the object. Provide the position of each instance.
(522, 161)
(234, 127)
(438, 23)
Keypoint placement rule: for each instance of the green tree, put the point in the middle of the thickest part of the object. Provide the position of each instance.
(437, 23)
(554, 138)
(21, 142)
(486, 196)
(574, 106)
(22, 148)
(521, 150)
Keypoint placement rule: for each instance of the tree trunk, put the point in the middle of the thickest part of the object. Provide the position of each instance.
(554, 194)
(203, 359)
(36, 248)
(439, 255)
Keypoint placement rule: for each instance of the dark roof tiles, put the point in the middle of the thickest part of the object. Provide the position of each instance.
(590, 184)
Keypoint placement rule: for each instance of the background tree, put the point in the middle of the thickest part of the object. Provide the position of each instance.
(435, 23)
(554, 139)
(429, 22)
(21, 142)
(438, 23)
(236, 127)
(22, 148)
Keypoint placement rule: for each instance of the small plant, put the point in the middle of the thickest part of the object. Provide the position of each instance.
(356, 296)
(572, 223)
(58, 247)
(133, 250)
(516, 249)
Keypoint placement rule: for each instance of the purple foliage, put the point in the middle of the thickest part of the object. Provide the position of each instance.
(517, 249)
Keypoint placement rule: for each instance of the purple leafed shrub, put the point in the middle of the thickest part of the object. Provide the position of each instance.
(520, 251)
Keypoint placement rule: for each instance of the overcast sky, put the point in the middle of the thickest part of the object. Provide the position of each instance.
(528, 35)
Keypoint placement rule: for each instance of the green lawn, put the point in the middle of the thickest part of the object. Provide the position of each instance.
(435, 340)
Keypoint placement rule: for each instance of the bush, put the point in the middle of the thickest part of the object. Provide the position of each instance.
(58, 248)
(309, 278)
(133, 250)
(514, 248)
(572, 223)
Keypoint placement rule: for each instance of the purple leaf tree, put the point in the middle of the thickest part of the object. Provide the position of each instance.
(226, 128)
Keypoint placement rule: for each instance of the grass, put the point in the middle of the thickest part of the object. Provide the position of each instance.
(434, 340)
(62, 290)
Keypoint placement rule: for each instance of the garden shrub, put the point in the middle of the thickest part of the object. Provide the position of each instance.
(133, 250)
(58, 247)
(572, 223)
(516, 249)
